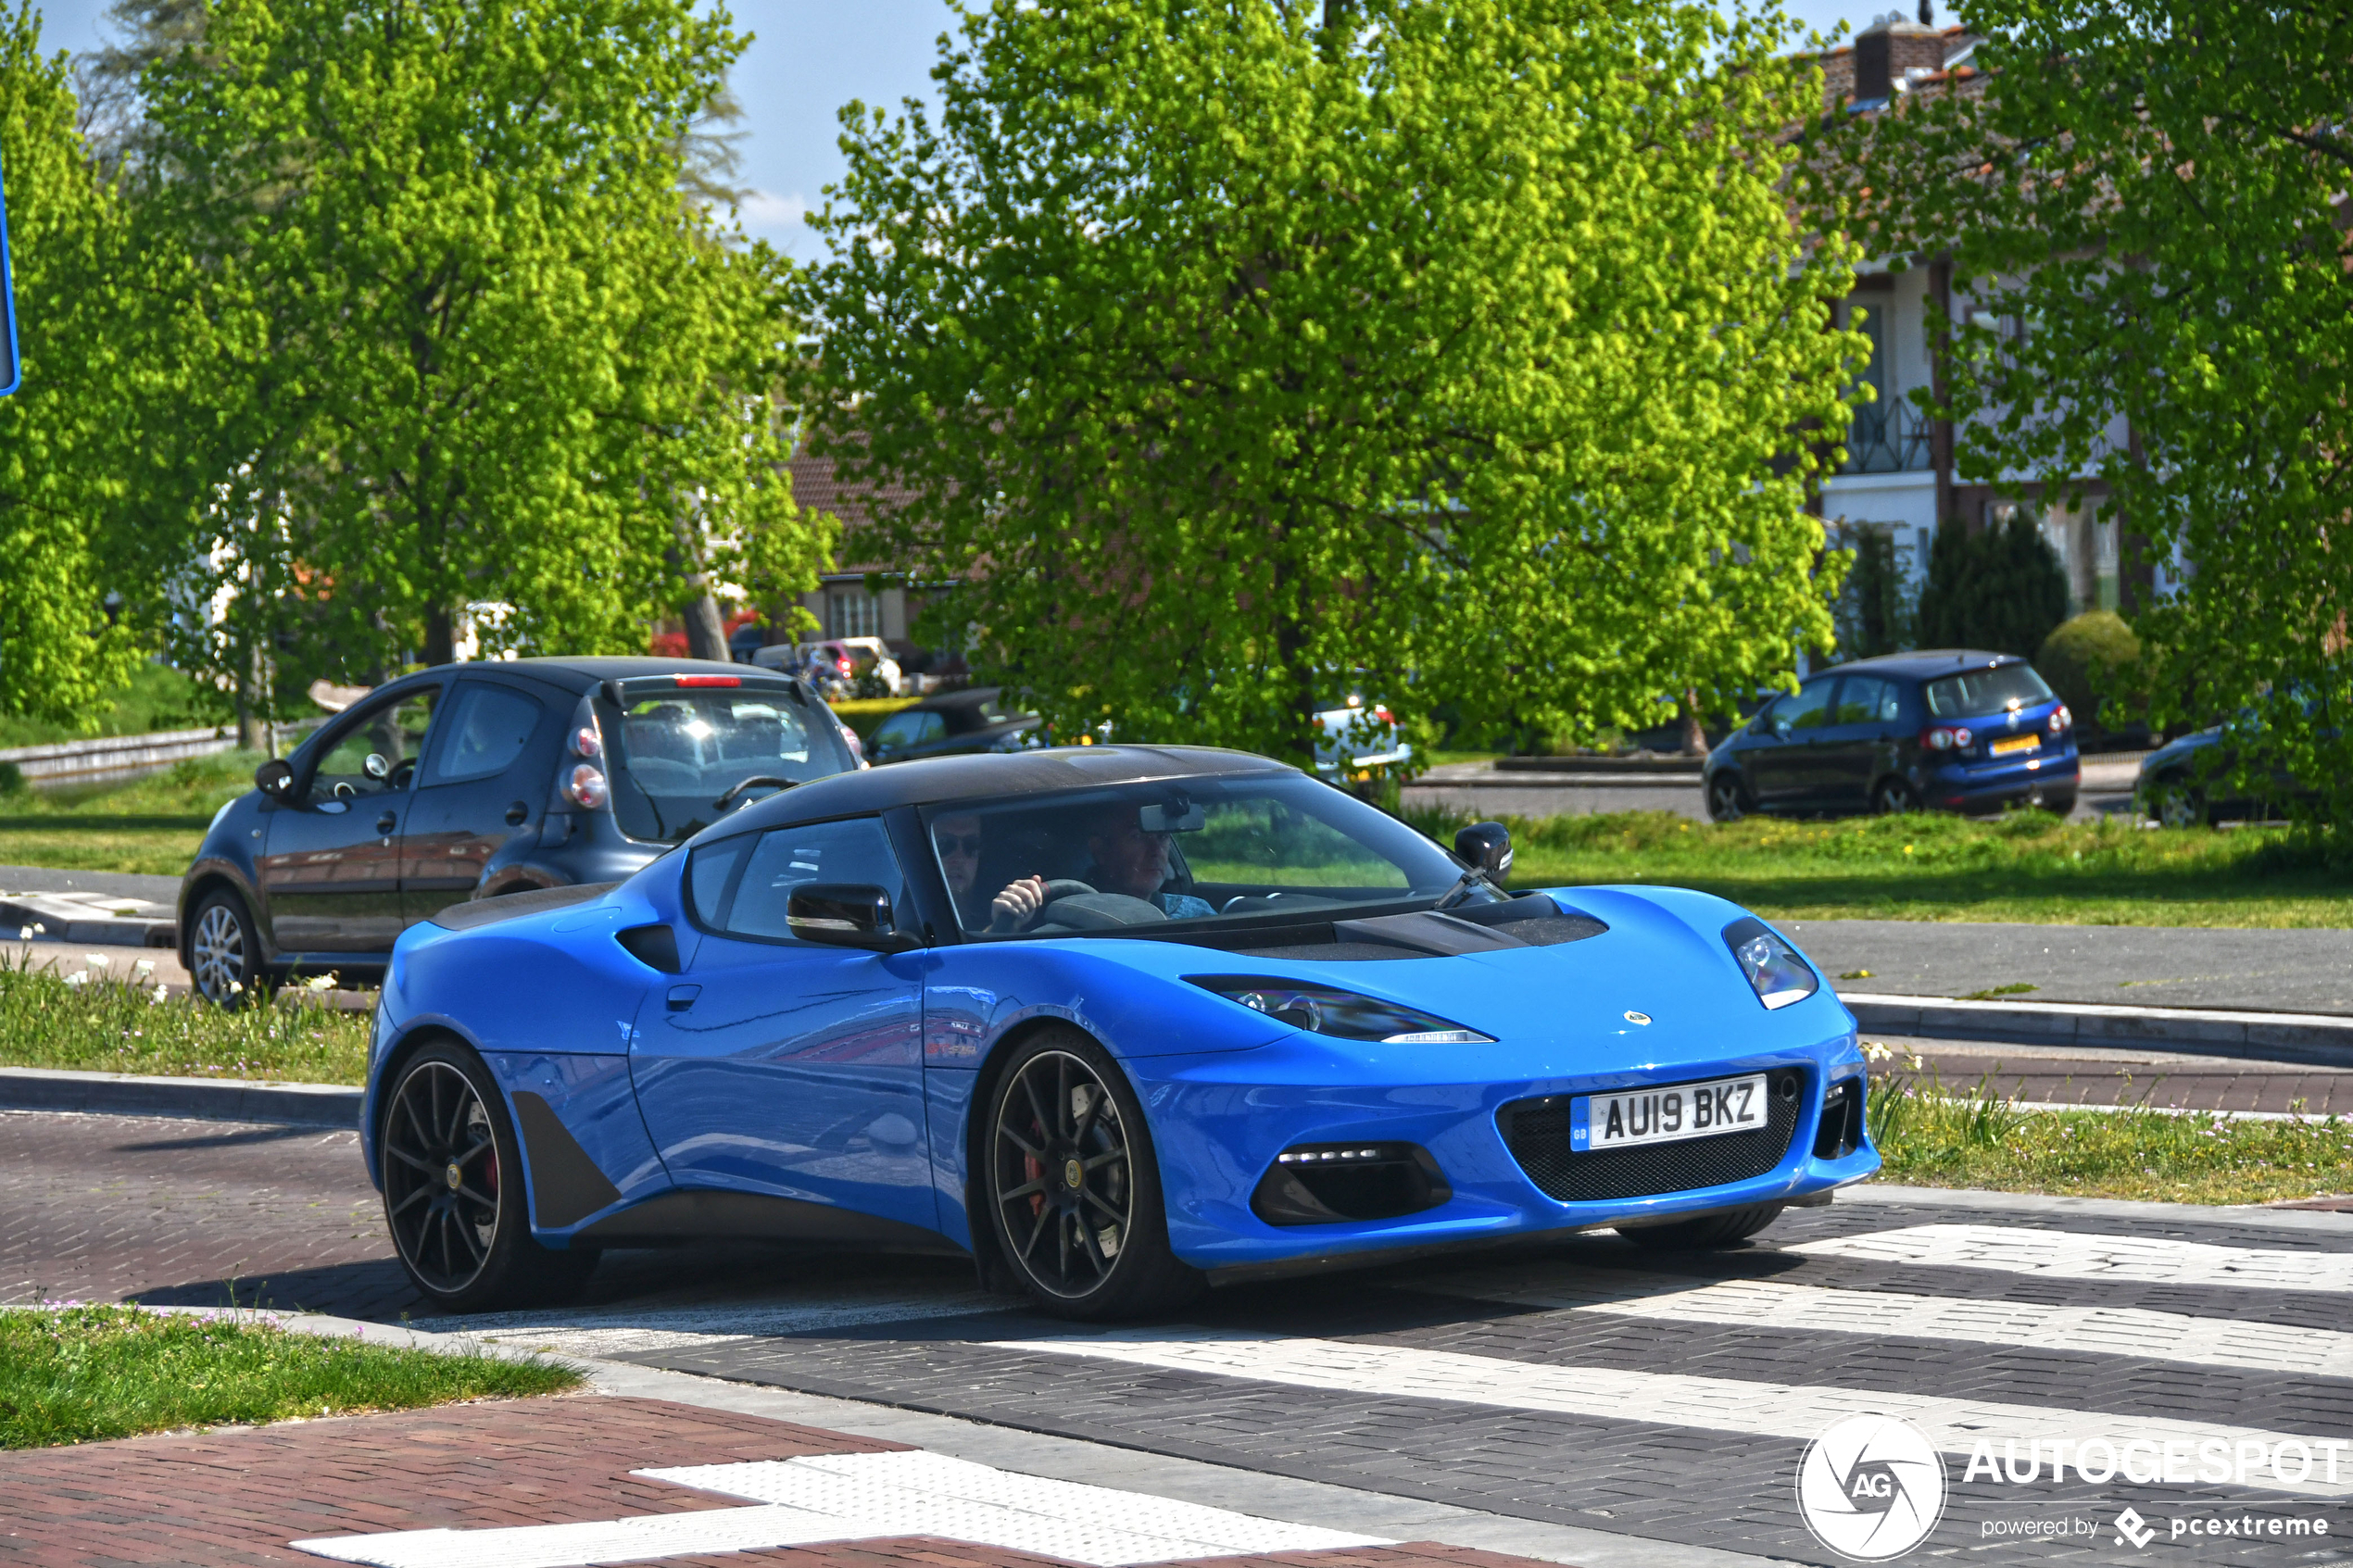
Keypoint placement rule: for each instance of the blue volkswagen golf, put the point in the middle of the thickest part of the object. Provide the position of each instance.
(1116, 1022)
(1944, 729)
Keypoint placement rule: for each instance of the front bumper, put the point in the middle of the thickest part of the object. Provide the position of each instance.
(1223, 1121)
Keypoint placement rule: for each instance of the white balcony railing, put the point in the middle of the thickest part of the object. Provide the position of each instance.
(1889, 437)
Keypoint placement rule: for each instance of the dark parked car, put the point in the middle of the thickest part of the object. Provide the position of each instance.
(954, 722)
(472, 780)
(1945, 729)
(2190, 782)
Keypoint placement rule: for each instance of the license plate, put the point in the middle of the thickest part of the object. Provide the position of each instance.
(2014, 743)
(1667, 1115)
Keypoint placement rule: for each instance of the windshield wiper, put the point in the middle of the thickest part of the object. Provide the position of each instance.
(1462, 888)
(753, 783)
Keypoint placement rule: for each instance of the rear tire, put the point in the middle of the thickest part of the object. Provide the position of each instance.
(1727, 798)
(2180, 805)
(1708, 1229)
(1894, 798)
(1094, 1248)
(453, 1191)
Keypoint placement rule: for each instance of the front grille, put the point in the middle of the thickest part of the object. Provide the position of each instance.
(1536, 1131)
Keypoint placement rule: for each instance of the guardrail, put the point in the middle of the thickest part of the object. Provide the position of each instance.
(114, 757)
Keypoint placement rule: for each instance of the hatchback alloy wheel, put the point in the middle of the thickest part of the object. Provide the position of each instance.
(222, 951)
(1727, 801)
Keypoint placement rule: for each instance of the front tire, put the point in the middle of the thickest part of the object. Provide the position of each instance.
(453, 1189)
(1707, 1231)
(2180, 805)
(1727, 800)
(224, 951)
(1073, 1186)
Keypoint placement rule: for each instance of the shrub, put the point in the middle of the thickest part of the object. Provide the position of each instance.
(11, 779)
(2094, 662)
(2002, 590)
(1874, 614)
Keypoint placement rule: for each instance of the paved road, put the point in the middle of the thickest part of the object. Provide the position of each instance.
(1659, 1396)
(2115, 965)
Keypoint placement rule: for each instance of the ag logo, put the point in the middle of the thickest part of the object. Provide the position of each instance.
(1870, 1487)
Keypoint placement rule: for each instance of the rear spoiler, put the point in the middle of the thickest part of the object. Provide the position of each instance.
(616, 688)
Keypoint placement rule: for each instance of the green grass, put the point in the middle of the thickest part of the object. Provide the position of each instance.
(152, 824)
(1976, 1139)
(117, 1026)
(157, 698)
(2027, 866)
(79, 1374)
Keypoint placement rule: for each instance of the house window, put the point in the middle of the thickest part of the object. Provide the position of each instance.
(854, 612)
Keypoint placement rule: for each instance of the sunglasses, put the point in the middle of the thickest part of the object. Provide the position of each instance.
(959, 843)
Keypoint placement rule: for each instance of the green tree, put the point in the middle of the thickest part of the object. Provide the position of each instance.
(1875, 611)
(2002, 590)
(2144, 205)
(61, 435)
(1231, 354)
(463, 341)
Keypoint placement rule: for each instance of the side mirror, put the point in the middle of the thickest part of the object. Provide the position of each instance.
(1486, 846)
(843, 915)
(275, 778)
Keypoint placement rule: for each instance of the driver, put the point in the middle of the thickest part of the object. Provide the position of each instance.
(1127, 860)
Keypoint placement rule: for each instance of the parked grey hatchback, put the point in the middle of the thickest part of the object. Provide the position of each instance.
(470, 781)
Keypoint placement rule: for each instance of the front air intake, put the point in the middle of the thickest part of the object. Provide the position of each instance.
(1842, 1130)
(1326, 1183)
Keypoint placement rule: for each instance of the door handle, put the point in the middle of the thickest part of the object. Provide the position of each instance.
(385, 823)
(682, 997)
(516, 813)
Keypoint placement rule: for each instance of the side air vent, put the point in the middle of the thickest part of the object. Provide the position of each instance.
(1842, 1130)
(656, 946)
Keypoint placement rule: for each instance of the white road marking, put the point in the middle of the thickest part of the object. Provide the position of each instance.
(1769, 1410)
(2072, 1255)
(862, 1497)
(2106, 1330)
(620, 1331)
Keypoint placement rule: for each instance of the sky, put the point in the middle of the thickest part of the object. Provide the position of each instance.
(807, 58)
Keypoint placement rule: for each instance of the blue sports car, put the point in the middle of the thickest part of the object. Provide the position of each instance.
(1119, 1022)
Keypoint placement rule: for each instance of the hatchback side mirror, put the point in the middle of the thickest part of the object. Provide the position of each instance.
(275, 778)
(1486, 846)
(844, 915)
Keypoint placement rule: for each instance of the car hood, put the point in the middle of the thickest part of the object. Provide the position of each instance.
(2174, 752)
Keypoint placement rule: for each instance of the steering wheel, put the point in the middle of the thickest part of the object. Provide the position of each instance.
(342, 790)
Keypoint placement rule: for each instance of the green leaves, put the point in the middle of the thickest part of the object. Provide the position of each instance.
(1227, 362)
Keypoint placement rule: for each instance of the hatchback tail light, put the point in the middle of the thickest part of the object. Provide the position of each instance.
(2060, 719)
(1383, 714)
(1947, 737)
(586, 787)
(586, 742)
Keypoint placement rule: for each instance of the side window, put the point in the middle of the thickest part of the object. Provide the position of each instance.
(488, 728)
(711, 875)
(1866, 699)
(376, 752)
(1809, 709)
(901, 731)
(856, 851)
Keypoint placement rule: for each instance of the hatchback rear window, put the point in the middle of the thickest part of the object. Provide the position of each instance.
(678, 754)
(1980, 692)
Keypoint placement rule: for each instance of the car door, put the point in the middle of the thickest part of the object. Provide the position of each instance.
(788, 1068)
(486, 780)
(331, 862)
(1785, 772)
(1861, 732)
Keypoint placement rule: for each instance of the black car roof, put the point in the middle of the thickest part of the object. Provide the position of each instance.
(581, 674)
(1924, 663)
(991, 775)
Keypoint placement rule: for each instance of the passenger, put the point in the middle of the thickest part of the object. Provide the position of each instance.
(957, 837)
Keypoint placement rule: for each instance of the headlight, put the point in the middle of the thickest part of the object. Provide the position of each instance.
(1344, 1015)
(1773, 968)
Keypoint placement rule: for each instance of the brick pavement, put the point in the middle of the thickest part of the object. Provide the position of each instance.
(237, 1498)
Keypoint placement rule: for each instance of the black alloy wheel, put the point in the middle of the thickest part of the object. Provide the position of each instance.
(1708, 1229)
(453, 1191)
(1894, 798)
(1074, 1193)
(224, 951)
(1727, 800)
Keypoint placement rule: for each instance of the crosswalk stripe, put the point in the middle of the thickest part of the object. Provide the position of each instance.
(2073, 1255)
(1769, 1410)
(1757, 1304)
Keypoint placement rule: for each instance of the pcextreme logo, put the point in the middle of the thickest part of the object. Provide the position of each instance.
(1870, 1487)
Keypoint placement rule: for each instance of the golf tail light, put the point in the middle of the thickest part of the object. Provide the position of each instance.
(585, 787)
(2061, 720)
(1343, 1015)
(1946, 737)
(1775, 971)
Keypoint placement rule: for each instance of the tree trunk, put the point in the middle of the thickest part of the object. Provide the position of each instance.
(253, 718)
(441, 636)
(705, 631)
(1694, 732)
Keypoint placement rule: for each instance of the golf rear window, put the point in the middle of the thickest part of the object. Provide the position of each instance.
(1982, 692)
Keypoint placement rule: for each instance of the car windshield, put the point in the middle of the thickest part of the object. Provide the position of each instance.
(678, 754)
(1982, 692)
(1258, 849)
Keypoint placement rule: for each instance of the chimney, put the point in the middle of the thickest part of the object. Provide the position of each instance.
(1889, 51)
